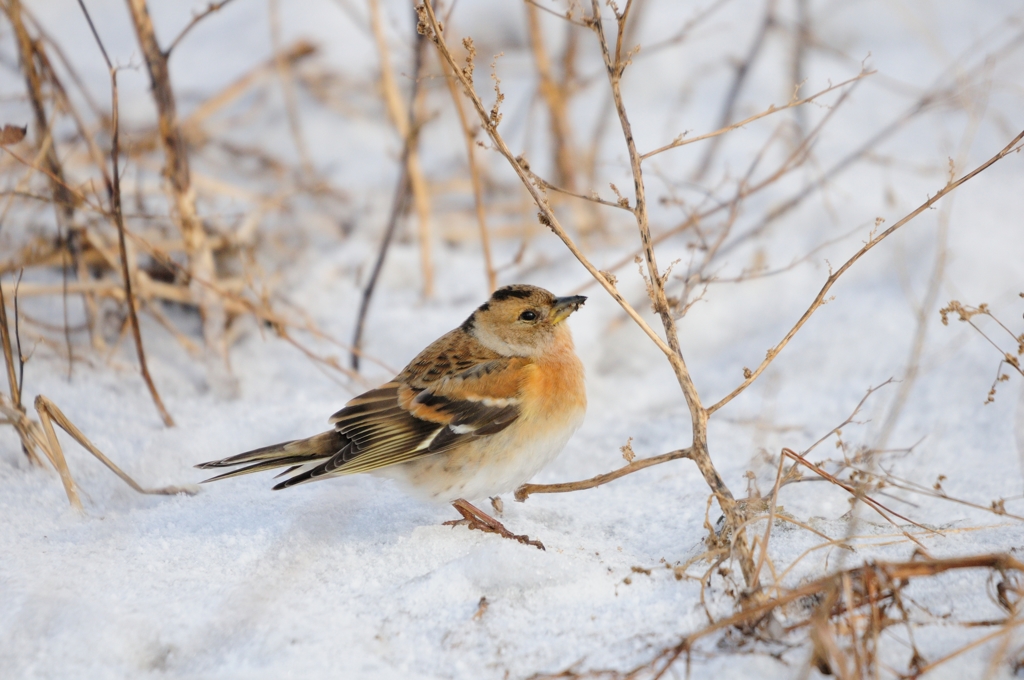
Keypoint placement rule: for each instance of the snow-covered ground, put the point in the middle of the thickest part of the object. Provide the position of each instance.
(351, 578)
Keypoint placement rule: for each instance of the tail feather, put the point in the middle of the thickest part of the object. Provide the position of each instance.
(292, 454)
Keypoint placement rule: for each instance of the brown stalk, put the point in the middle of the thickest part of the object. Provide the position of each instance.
(555, 96)
(179, 184)
(474, 176)
(871, 502)
(656, 291)
(875, 240)
(398, 204)
(292, 55)
(742, 71)
(15, 413)
(526, 490)
(291, 107)
(869, 585)
(62, 202)
(404, 118)
(49, 414)
(196, 18)
(114, 191)
(771, 110)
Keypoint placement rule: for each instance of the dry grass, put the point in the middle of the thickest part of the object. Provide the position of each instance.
(171, 248)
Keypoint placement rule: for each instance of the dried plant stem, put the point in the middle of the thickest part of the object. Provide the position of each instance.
(63, 204)
(556, 94)
(179, 185)
(17, 418)
(114, 191)
(284, 74)
(872, 584)
(743, 69)
(872, 242)
(5, 342)
(553, 94)
(49, 414)
(398, 204)
(56, 456)
(526, 490)
(656, 291)
(404, 119)
(474, 176)
(196, 18)
(793, 103)
(293, 54)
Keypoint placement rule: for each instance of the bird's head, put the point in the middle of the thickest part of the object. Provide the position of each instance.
(521, 320)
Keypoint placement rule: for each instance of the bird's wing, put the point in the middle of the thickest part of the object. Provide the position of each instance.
(402, 420)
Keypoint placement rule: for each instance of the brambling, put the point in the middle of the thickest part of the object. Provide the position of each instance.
(477, 413)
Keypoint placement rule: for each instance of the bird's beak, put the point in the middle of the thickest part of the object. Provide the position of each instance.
(564, 306)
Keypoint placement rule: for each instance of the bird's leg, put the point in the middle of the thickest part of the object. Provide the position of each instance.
(475, 518)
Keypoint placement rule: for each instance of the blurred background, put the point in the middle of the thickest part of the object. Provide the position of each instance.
(301, 184)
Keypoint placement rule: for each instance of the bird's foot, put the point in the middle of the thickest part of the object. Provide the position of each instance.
(475, 518)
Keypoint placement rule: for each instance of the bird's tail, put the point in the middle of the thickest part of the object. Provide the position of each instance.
(295, 454)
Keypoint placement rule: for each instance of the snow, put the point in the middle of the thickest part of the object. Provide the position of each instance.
(352, 578)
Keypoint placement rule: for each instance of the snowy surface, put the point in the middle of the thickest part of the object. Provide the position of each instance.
(351, 578)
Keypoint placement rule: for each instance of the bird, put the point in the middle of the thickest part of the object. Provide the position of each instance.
(474, 415)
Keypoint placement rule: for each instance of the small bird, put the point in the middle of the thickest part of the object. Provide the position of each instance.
(477, 413)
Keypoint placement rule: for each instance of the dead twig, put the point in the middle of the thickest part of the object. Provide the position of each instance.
(656, 292)
(14, 382)
(526, 490)
(196, 18)
(398, 204)
(114, 193)
(405, 121)
(474, 176)
(49, 414)
(819, 299)
(181, 193)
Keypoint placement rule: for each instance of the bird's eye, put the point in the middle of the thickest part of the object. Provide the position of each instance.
(528, 315)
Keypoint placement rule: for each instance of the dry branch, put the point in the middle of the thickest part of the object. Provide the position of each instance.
(526, 490)
(819, 299)
(114, 192)
(181, 192)
(867, 591)
(474, 175)
(49, 414)
(405, 121)
(656, 291)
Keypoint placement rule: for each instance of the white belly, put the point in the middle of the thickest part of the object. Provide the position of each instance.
(490, 466)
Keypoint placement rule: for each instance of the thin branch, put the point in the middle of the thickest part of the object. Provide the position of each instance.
(819, 299)
(114, 190)
(526, 490)
(742, 71)
(14, 385)
(474, 176)
(404, 119)
(398, 205)
(181, 193)
(772, 109)
(196, 18)
(656, 292)
(48, 411)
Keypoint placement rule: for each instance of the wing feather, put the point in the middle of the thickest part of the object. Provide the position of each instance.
(403, 420)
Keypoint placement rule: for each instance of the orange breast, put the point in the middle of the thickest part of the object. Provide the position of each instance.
(554, 389)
